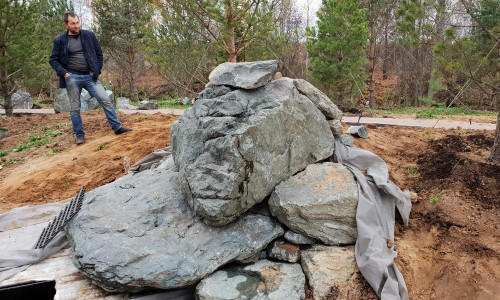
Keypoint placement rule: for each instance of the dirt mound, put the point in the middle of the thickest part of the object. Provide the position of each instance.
(447, 165)
(58, 169)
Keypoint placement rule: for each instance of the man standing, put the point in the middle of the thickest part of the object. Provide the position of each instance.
(77, 60)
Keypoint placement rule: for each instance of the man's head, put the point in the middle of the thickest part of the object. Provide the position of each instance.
(72, 23)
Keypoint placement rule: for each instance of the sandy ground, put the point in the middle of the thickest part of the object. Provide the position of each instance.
(450, 250)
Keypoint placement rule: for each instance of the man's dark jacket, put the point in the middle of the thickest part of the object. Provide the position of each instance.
(60, 56)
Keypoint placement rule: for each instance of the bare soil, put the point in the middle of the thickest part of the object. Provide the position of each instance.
(450, 250)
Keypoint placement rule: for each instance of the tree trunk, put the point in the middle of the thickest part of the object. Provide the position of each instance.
(231, 46)
(371, 69)
(5, 93)
(132, 79)
(386, 44)
(495, 150)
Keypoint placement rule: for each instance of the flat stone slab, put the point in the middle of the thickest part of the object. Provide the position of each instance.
(264, 280)
(246, 75)
(139, 232)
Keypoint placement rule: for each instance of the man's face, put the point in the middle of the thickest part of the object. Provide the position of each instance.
(73, 25)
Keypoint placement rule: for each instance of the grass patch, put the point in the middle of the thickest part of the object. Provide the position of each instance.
(11, 161)
(170, 103)
(33, 141)
(436, 198)
(4, 153)
(52, 133)
(413, 171)
(101, 146)
(433, 112)
(52, 152)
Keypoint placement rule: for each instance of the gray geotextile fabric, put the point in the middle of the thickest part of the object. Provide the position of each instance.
(378, 198)
(16, 251)
(149, 160)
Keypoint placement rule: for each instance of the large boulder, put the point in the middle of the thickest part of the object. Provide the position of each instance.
(326, 266)
(247, 75)
(319, 202)
(139, 232)
(264, 280)
(61, 103)
(147, 105)
(233, 149)
(124, 104)
(21, 100)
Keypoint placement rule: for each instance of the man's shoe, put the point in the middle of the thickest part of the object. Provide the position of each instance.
(122, 130)
(80, 140)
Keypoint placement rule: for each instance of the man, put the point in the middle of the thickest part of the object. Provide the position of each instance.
(77, 60)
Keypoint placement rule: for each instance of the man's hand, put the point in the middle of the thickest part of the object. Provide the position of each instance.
(67, 75)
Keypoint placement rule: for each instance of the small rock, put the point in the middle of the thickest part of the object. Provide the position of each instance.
(147, 105)
(326, 266)
(124, 104)
(297, 238)
(359, 131)
(264, 280)
(281, 250)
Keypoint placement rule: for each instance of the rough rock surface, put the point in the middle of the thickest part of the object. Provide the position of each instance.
(21, 100)
(139, 232)
(264, 280)
(146, 105)
(283, 251)
(319, 202)
(297, 238)
(345, 139)
(61, 103)
(234, 149)
(124, 104)
(247, 75)
(327, 265)
(336, 127)
(322, 102)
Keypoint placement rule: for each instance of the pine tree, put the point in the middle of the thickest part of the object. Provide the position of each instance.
(338, 48)
(122, 27)
(232, 25)
(25, 43)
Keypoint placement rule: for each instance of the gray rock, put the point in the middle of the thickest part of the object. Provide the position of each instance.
(284, 251)
(61, 103)
(319, 202)
(297, 238)
(336, 127)
(214, 91)
(139, 232)
(346, 140)
(359, 131)
(21, 100)
(264, 280)
(88, 102)
(124, 104)
(233, 150)
(147, 105)
(246, 75)
(322, 102)
(326, 266)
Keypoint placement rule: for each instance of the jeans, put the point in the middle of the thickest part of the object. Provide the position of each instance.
(74, 85)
